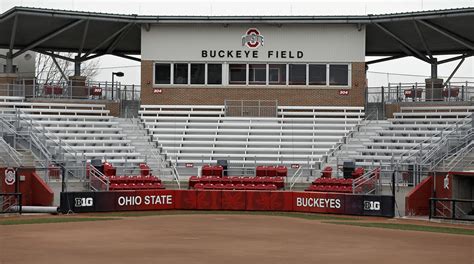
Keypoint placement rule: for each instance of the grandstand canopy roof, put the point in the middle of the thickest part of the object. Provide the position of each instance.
(419, 34)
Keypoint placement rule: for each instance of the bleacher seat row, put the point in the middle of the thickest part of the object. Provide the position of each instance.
(88, 129)
(277, 181)
(410, 129)
(203, 134)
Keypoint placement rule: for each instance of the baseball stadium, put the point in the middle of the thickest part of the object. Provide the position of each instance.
(249, 138)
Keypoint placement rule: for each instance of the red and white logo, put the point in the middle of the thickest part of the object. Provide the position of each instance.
(10, 176)
(252, 38)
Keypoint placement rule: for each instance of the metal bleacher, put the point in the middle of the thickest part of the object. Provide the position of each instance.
(412, 129)
(87, 130)
(203, 134)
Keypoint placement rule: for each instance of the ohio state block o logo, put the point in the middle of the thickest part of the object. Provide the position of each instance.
(10, 176)
(252, 38)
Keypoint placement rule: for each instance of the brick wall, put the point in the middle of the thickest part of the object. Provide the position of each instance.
(285, 96)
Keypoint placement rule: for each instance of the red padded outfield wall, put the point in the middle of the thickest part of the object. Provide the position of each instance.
(314, 202)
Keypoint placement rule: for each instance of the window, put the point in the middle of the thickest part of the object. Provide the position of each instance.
(258, 74)
(214, 73)
(277, 74)
(338, 75)
(317, 74)
(297, 74)
(197, 73)
(162, 73)
(237, 73)
(180, 73)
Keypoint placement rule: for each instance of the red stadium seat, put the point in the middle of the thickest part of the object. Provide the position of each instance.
(144, 169)
(199, 186)
(261, 171)
(327, 172)
(271, 171)
(217, 171)
(206, 170)
(281, 171)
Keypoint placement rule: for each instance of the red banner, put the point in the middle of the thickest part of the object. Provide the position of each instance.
(186, 199)
(209, 200)
(145, 200)
(258, 201)
(318, 202)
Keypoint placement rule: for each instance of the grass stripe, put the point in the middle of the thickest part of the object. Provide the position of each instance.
(51, 220)
(409, 227)
(309, 216)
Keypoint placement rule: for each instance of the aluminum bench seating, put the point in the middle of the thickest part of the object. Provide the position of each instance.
(110, 154)
(381, 145)
(249, 119)
(255, 125)
(95, 142)
(401, 139)
(387, 151)
(375, 158)
(238, 162)
(275, 138)
(249, 149)
(245, 130)
(417, 126)
(431, 114)
(261, 156)
(37, 105)
(103, 148)
(449, 108)
(75, 112)
(447, 120)
(419, 133)
(243, 143)
(85, 135)
(78, 130)
(11, 98)
(101, 124)
(68, 117)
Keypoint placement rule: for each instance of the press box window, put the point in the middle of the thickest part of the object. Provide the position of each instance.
(317, 74)
(338, 75)
(237, 73)
(197, 73)
(297, 74)
(180, 73)
(162, 73)
(214, 73)
(277, 74)
(258, 74)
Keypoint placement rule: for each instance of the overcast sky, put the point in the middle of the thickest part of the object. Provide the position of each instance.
(379, 74)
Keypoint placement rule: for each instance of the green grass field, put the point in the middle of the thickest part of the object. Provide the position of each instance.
(409, 227)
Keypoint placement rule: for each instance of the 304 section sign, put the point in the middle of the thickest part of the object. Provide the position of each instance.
(10, 176)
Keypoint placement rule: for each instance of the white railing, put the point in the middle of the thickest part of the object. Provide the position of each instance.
(367, 183)
(15, 157)
(295, 177)
(97, 180)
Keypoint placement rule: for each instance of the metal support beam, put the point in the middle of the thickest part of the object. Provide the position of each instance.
(126, 57)
(48, 36)
(117, 40)
(54, 55)
(9, 63)
(456, 58)
(385, 59)
(454, 71)
(92, 56)
(3, 57)
(434, 68)
(404, 43)
(12, 37)
(453, 36)
(105, 41)
(84, 36)
(59, 68)
(423, 41)
(77, 65)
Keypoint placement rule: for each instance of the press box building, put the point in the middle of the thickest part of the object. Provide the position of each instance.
(292, 63)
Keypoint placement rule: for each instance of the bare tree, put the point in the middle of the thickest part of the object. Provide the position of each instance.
(48, 72)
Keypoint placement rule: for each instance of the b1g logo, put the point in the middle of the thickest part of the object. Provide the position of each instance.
(371, 205)
(83, 202)
(252, 38)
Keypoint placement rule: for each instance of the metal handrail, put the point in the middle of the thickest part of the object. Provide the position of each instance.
(13, 153)
(295, 177)
(409, 153)
(350, 134)
(460, 153)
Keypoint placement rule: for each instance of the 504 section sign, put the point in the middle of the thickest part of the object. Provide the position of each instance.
(10, 176)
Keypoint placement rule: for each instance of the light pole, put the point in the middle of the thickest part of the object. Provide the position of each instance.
(118, 74)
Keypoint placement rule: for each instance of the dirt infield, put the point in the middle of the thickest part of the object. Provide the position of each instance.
(226, 239)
